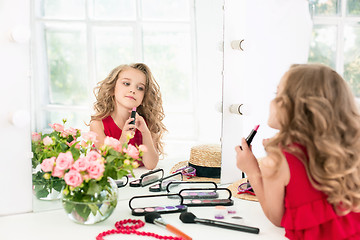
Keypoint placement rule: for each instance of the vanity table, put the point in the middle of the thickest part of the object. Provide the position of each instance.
(54, 224)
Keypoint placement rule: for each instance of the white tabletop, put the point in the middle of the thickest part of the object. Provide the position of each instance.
(52, 223)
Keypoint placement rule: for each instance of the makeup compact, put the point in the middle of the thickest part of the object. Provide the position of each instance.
(122, 181)
(202, 197)
(148, 178)
(158, 187)
(177, 186)
(161, 203)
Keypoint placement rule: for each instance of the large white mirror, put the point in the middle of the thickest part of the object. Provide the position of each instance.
(77, 43)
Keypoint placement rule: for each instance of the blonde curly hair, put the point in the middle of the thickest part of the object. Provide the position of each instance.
(151, 107)
(317, 110)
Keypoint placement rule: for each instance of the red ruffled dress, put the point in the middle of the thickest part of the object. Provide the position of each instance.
(112, 130)
(308, 215)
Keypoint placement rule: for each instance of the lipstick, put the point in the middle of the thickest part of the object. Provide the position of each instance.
(133, 114)
(252, 135)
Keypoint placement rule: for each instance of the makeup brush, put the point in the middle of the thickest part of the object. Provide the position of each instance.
(188, 217)
(156, 219)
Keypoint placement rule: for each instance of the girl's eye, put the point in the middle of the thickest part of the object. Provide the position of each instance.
(141, 88)
(126, 83)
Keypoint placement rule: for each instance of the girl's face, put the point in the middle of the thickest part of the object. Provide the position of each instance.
(130, 88)
(274, 117)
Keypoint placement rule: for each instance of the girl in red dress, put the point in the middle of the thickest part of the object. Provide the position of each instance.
(128, 87)
(309, 182)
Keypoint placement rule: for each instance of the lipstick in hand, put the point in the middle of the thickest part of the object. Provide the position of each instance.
(252, 135)
(249, 140)
(133, 114)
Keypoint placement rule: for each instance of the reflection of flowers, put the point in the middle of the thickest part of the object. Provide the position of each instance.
(48, 149)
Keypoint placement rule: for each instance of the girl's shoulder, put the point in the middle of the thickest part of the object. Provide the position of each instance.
(96, 124)
(278, 169)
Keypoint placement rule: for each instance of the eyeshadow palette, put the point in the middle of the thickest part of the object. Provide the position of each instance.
(158, 209)
(207, 202)
(160, 203)
(175, 177)
(177, 186)
(197, 197)
(148, 178)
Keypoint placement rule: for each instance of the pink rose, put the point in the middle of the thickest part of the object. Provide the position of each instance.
(57, 127)
(47, 141)
(83, 144)
(35, 137)
(132, 151)
(81, 164)
(73, 178)
(71, 131)
(64, 134)
(90, 136)
(64, 161)
(113, 142)
(58, 173)
(47, 165)
(93, 155)
(96, 169)
(143, 148)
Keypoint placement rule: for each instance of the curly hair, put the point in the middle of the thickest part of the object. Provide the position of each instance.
(317, 110)
(151, 107)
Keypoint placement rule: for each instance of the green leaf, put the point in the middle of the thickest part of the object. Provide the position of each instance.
(75, 152)
(63, 147)
(58, 184)
(94, 208)
(110, 159)
(42, 193)
(68, 206)
(93, 188)
(83, 210)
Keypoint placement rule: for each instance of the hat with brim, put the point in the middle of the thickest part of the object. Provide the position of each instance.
(235, 192)
(206, 160)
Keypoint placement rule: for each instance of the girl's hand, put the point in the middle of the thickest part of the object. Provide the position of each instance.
(127, 129)
(140, 123)
(245, 159)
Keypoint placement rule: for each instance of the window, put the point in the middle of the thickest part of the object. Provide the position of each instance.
(78, 42)
(336, 38)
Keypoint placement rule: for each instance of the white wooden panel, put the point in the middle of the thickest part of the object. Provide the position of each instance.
(277, 34)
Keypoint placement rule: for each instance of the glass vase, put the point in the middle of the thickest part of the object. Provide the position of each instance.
(88, 208)
(47, 189)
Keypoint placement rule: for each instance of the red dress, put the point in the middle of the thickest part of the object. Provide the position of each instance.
(112, 130)
(308, 215)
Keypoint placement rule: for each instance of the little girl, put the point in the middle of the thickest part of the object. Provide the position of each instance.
(128, 87)
(310, 181)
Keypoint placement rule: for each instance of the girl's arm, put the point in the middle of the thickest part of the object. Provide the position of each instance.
(268, 187)
(97, 127)
(151, 156)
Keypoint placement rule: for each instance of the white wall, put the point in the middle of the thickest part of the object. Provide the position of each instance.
(15, 145)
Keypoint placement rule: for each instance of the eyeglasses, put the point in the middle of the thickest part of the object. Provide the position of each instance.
(246, 188)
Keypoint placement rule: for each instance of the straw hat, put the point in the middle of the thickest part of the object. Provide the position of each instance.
(234, 191)
(206, 159)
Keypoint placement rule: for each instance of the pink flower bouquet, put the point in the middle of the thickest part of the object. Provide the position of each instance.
(89, 193)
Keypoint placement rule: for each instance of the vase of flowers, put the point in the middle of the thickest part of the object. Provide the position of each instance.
(90, 193)
(48, 147)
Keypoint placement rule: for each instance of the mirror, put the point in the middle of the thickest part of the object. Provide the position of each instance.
(180, 40)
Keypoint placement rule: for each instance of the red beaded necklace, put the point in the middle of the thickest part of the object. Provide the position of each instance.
(131, 229)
